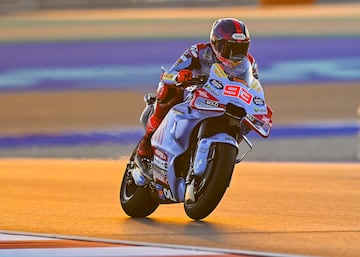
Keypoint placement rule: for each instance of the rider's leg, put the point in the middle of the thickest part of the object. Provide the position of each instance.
(167, 96)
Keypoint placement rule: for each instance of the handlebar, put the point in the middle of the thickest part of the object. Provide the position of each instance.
(198, 80)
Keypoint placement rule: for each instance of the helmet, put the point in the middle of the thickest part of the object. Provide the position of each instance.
(229, 39)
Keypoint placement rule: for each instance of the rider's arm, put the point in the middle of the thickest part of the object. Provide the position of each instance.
(180, 72)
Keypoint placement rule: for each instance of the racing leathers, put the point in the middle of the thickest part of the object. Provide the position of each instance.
(197, 60)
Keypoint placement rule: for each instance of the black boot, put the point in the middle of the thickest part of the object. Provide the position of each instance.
(143, 157)
(143, 164)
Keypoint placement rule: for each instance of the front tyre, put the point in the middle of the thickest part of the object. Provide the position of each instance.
(210, 188)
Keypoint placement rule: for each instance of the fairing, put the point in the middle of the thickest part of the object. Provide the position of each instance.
(234, 86)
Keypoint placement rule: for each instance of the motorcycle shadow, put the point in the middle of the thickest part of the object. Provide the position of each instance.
(166, 227)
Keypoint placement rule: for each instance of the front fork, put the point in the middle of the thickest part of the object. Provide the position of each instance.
(241, 154)
(204, 155)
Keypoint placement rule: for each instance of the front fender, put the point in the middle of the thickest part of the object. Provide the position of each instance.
(203, 148)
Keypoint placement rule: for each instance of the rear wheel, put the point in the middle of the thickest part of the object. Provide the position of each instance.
(210, 188)
(136, 201)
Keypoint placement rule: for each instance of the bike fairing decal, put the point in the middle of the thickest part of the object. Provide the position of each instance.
(203, 100)
(238, 92)
(165, 193)
(160, 165)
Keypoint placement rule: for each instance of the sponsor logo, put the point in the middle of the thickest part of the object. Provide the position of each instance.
(211, 90)
(239, 36)
(217, 84)
(168, 194)
(212, 103)
(258, 101)
(158, 176)
(257, 109)
(168, 76)
(162, 164)
(250, 117)
(160, 154)
(160, 160)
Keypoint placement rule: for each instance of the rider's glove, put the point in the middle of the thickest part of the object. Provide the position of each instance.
(183, 76)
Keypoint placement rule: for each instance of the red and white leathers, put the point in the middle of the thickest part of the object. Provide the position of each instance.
(197, 59)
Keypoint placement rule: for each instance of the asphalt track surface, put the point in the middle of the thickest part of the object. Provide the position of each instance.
(294, 208)
(288, 207)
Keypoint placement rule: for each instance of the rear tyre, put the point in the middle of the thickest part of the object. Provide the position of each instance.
(137, 202)
(210, 188)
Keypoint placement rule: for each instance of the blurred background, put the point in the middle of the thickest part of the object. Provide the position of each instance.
(73, 73)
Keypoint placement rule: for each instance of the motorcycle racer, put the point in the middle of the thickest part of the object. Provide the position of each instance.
(229, 39)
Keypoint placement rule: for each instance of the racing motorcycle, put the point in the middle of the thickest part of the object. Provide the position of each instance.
(198, 143)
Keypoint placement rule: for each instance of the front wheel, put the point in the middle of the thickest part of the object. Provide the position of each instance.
(136, 201)
(210, 188)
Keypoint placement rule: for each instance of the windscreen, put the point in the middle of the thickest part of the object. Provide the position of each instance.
(239, 69)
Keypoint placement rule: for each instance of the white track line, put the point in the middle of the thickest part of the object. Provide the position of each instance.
(128, 248)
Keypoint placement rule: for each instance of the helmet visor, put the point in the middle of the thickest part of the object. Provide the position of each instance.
(236, 48)
(228, 49)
